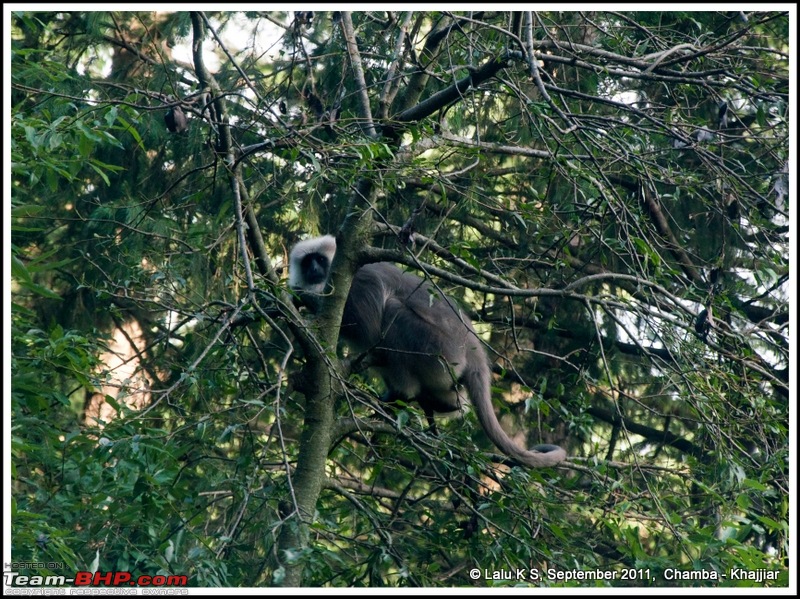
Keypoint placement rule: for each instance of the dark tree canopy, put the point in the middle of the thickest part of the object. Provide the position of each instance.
(606, 194)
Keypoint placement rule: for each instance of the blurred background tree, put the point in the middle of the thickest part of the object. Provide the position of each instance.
(605, 193)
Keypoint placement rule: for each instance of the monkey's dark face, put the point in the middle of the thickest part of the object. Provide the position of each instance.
(315, 269)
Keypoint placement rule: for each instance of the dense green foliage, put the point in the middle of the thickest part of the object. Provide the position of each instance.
(606, 194)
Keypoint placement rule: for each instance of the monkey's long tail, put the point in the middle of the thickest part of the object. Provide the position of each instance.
(478, 385)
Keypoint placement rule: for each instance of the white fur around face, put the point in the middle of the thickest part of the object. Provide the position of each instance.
(325, 245)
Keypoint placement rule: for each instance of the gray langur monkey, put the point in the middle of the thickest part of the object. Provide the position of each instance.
(418, 340)
(175, 120)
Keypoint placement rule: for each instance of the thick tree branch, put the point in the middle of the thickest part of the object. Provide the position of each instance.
(456, 91)
(652, 434)
(358, 72)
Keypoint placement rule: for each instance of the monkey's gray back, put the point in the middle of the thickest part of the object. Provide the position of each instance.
(419, 339)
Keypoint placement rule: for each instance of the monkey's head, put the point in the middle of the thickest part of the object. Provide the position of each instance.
(310, 262)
